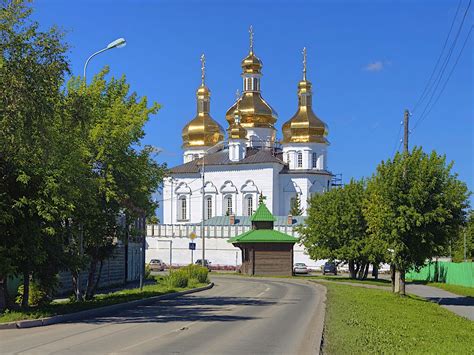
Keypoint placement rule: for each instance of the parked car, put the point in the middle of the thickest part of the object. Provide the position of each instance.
(157, 265)
(207, 263)
(329, 268)
(300, 268)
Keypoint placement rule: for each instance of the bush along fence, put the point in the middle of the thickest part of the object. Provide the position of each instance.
(461, 274)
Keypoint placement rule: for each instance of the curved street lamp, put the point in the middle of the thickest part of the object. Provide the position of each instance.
(118, 43)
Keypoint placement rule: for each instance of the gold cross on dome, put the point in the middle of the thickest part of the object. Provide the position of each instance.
(203, 68)
(251, 38)
(304, 63)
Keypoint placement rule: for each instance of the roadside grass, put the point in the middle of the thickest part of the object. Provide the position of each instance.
(361, 320)
(458, 290)
(379, 282)
(100, 300)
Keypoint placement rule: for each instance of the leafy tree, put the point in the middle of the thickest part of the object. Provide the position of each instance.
(336, 229)
(296, 209)
(31, 74)
(415, 204)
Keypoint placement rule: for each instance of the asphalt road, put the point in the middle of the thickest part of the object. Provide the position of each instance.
(237, 316)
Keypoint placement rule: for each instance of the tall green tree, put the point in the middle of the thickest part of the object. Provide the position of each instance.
(296, 209)
(336, 229)
(415, 205)
(33, 65)
(463, 243)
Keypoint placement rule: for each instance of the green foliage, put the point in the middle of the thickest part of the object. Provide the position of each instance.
(464, 240)
(177, 278)
(148, 275)
(336, 229)
(296, 209)
(415, 205)
(197, 272)
(37, 295)
(367, 321)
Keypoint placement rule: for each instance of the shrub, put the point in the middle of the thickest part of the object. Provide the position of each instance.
(197, 272)
(178, 278)
(37, 296)
(148, 273)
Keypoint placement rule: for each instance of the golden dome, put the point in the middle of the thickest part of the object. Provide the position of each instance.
(251, 64)
(236, 131)
(254, 111)
(304, 126)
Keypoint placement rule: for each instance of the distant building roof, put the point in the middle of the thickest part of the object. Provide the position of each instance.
(262, 214)
(245, 221)
(263, 236)
(253, 156)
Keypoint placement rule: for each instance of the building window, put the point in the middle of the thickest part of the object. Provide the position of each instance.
(292, 202)
(228, 205)
(300, 160)
(208, 207)
(315, 160)
(248, 208)
(183, 208)
(195, 156)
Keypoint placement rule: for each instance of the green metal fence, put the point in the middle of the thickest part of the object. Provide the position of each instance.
(448, 272)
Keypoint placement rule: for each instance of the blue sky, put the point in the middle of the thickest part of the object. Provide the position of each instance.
(367, 60)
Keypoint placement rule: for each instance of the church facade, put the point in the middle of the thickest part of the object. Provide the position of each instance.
(225, 172)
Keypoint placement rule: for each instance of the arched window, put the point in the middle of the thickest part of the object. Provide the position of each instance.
(228, 205)
(248, 208)
(315, 160)
(182, 209)
(300, 160)
(208, 207)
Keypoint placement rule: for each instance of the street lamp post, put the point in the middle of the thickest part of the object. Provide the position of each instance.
(118, 43)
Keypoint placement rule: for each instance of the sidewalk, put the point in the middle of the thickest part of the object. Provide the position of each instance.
(463, 306)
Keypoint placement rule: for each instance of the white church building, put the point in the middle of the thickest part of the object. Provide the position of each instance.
(223, 175)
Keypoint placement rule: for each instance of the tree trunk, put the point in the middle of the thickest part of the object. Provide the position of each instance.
(26, 290)
(96, 285)
(76, 286)
(3, 293)
(402, 282)
(366, 271)
(375, 271)
(352, 271)
(392, 276)
(361, 271)
(90, 279)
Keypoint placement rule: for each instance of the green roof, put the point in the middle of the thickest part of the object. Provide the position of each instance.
(262, 214)
(263, 236)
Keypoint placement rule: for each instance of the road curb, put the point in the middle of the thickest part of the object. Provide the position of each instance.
(61, 318)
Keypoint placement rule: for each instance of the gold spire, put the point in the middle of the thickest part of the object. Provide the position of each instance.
(203, 69)
(251, 38)
(202, 130)
(236, 131)
(305, 126)
(304, 64)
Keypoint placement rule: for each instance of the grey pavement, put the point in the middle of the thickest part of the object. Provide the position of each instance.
(463, 306)
(237, 316)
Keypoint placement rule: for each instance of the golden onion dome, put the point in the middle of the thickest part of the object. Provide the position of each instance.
(202, 130)
(236, 131)
(254, 111)
(305, 126)
(251, 64)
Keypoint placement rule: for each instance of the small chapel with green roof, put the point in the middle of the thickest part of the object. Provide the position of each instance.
(265, 251)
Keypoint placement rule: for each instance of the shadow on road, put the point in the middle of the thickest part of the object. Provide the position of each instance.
(452, 301)
(186, 309)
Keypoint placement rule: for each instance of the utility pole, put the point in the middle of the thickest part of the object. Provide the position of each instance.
(406, 118)
(399, 278)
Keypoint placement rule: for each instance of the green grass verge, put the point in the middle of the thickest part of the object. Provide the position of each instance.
(379, 282)
(100, 300)
(361, 320)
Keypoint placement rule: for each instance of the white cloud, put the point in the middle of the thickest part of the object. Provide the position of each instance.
(375, 66)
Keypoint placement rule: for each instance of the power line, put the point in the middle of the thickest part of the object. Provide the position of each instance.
(447, 79)
(445, 64)
(425, 90)
(398, 139)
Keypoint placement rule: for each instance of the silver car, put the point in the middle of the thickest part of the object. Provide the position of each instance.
(300, 268)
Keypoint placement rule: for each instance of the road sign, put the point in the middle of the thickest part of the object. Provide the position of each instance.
(192, 246)
(192, 236)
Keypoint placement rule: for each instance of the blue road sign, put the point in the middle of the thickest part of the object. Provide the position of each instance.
(192, 246)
